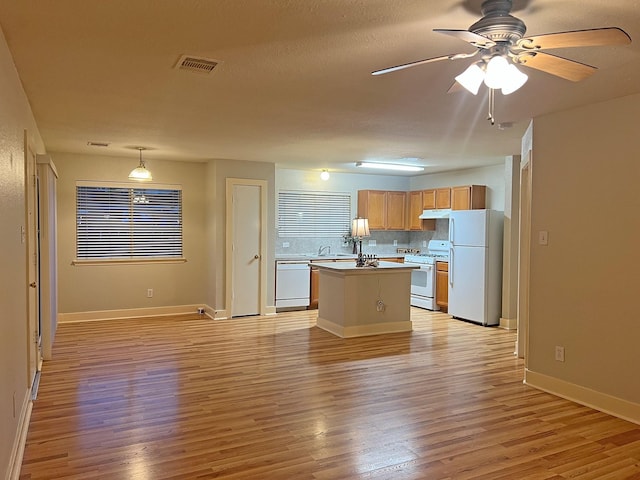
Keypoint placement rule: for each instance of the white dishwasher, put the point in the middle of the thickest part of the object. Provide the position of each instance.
(293, 280)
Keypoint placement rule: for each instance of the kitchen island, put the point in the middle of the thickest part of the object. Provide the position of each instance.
(358, 301)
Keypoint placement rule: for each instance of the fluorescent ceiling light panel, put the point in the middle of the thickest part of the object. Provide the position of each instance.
(390, 166)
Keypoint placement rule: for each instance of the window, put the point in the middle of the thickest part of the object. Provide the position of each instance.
(121, 222)
(313, 214)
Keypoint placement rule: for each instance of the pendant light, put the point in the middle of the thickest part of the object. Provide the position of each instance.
(140, 173)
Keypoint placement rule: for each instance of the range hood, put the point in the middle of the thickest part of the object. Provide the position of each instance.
(429, 214)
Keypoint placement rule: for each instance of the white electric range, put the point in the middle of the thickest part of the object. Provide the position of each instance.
(423, 279)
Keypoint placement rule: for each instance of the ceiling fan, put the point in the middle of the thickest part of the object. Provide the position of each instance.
(499, 40)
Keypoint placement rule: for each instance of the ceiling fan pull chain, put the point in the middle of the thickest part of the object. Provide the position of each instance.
(492, 98)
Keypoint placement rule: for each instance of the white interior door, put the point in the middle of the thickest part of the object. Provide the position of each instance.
(33, 288)
(246, 280)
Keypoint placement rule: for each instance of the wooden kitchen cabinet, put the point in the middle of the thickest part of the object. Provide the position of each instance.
(416, 206)
(396, 211)
(469, 197)
(442, 285)
(315, 288)
(443, 197)
(372, 204)
(386, 210)
(436, 198)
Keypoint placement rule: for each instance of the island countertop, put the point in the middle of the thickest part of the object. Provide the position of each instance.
(350, 267)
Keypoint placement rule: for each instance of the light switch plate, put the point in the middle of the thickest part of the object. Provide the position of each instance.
(543, 237)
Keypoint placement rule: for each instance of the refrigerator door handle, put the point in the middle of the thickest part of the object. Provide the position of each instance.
(451, 269)
(451, 226)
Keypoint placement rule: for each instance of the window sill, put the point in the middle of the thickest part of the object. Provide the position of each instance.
(127, 261)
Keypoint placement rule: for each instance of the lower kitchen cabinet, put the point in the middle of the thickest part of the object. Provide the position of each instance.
(442, 285)
(315, 288)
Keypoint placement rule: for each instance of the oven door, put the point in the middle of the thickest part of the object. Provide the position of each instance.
(422, 280)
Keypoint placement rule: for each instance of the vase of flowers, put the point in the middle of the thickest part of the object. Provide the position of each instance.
(347, 239)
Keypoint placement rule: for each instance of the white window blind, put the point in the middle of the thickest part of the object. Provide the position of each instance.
(124, 222)
(313, 214)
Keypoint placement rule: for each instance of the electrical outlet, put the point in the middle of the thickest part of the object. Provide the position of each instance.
(149, 292)
(395, 243)
(285, 244)
(424, 243)
(559, 353)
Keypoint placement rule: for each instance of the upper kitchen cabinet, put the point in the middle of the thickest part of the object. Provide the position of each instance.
(436, 198)
(386, 210)
(469, 197)
(416, 207)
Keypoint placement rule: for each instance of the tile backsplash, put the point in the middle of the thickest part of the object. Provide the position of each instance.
(384, 241)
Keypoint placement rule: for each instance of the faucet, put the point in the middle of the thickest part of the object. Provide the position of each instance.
(326, 249)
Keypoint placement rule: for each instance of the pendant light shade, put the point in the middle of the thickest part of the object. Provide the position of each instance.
(471, 78)
(498, 74)
(514, 79)
(140, 173)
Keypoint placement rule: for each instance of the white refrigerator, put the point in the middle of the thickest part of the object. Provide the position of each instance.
(475, 265)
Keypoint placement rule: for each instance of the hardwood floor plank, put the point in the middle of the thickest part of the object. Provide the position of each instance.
(277, 398)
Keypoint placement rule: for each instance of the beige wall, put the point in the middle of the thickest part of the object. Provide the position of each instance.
(586, 172)
(15, 117)
(84, 288)
(217, 173)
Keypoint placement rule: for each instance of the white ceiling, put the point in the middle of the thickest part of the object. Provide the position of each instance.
(293, 85)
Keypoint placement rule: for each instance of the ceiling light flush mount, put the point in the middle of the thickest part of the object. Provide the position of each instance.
(140, 173)
(324, 175)
(390, 166)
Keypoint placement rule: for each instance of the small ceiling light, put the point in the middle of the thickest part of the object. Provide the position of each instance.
(390, 166)
(140, 173)
(471, 78)
(324, 175)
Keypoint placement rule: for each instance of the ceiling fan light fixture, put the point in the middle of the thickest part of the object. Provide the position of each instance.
(471, 78)
(497, 70)
(140, 173)
(514, 79)
(390, 166)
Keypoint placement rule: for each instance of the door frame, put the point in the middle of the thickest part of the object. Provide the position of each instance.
(230, 237)
(522, 339)
(34, 346)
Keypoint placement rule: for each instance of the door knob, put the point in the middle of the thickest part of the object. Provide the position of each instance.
(256, 256)
(33, 284)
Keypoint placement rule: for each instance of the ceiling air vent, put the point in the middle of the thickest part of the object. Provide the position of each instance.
(196, 64)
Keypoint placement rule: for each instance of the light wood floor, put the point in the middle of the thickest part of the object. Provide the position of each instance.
(278, 398)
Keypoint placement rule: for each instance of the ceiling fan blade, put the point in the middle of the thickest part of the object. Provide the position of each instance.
(467, 36)
(455, 88)
(578, 38)
(454, 56)
(558, 66)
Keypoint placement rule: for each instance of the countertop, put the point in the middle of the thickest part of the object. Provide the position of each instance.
(350, 267)
(329, 257)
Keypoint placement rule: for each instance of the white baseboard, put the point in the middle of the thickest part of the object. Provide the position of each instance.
(363, 330)
(133, 313)
(270, 310)
(17, 451)
(585, 396)
(509, 323)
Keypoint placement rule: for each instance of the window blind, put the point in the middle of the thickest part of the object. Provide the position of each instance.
(120, 222)
(313, 214)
